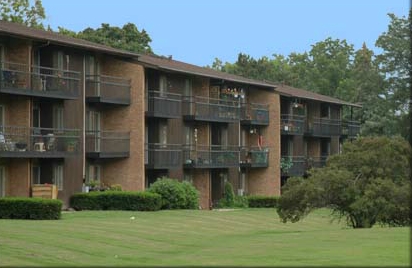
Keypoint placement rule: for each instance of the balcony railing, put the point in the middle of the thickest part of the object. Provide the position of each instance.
(208, 109)
(254, 157)
(107, 144)
(164, 104)
(107, 89)
(325, 127)
(350, 128)
(255, 114)
(25, 142)
(298, 168)
(292, 124)
(210, 156)
(16, 78)
(163, 156)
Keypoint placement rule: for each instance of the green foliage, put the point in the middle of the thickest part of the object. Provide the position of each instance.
(116, 200)
(20, 11)
(115, 187)
(30, 208)
(229, 196)
(367, 184)
(127, 38)
(259, 201)
(192, 195)
(175, 195)
(285, 164)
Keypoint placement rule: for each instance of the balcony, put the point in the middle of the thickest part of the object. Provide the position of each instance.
(254, 157)
(350, 129)
(107, 144)
(211, 110)
(107, 89)
(292, 124)
(25, 142)
(255, 114)
(163, 156)
(18, 79)
(214, 156)
(298, 168)
(316, 161)
(164, 105)
(324, 127)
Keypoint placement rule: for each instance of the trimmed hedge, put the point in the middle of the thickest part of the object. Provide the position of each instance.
(30, 208)
(259, 201)
(116, 200)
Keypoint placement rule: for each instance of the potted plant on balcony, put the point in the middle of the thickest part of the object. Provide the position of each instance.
(285, 164)
(71, 141)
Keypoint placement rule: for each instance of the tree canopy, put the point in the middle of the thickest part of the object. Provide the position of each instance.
(127, 37)
(332, 67)
(20, 11)
(367, 184)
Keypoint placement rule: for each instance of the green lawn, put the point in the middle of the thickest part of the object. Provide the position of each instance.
(248, 237)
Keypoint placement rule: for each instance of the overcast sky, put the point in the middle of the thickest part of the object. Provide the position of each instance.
(198, 31)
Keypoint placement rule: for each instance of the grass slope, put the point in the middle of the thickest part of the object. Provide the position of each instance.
(249, 237)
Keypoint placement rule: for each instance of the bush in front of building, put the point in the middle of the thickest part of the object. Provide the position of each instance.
(30, 208)
(175, 194)
(259, 201)
(116, 200)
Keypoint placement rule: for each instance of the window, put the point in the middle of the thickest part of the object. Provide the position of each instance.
(2, 181)
(187, 176)
(2, 120)
(93, 173)
(58, 117)
(188, 135)
(188, 87)
(36, 175)
(58, 176)
(163, 134)
(163, 85)
(1, 56)
(324, 110)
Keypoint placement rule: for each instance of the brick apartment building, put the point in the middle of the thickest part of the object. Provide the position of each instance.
(73, 111)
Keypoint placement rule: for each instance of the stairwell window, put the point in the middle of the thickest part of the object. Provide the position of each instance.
(58, 117)
(58, 176)
(2, 181)
(163, 86)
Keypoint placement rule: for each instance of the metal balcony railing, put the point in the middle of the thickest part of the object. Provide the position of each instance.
(255, 114)
(292, 124)
(214, 156)
(298, 166)
(254, 157)
(16, 78)
(164, 104)
(325, 127)
(163, 156)
(208, 109)
(25, 142)
(108, 89)
(107, 144)
(316, 161)
(350, 128)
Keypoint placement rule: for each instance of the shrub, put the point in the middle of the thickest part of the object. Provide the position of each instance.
(30, 208)
(192, 196)
(175, 195)
(229, 195)
(116, 200)
(259, 201)
(115, 187)
(241, 202)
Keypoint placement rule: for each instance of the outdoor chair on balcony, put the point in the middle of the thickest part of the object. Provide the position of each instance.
(50, 142)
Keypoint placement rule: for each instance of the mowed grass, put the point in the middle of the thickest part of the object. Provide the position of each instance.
(246, 237)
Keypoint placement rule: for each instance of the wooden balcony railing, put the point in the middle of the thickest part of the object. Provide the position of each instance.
(255, 114)
(25, 142)
(107, 144)
(292, 124)
(214, 156)
(164, 104)
(107, 89)
(163, 156)
(19, 79)
(208, 109)
(254, 157)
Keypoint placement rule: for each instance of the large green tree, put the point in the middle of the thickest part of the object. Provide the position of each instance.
(21, 11)
(127, 37)
(367, 184)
